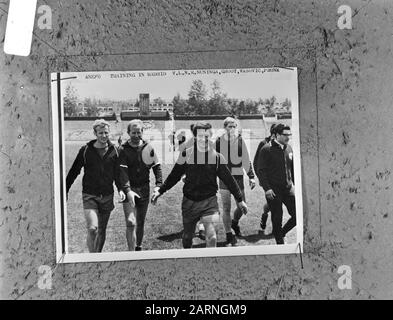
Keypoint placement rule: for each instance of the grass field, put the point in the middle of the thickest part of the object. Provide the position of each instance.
(163, 226)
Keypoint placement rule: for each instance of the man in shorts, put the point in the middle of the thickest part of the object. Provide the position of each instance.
(233, 148)
(189, 143)
(136, 158)
(202, 165)
(99, 159)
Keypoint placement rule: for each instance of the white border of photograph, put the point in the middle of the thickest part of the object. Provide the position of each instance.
(59, 176)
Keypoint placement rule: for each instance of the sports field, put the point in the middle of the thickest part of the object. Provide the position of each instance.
(163, 226)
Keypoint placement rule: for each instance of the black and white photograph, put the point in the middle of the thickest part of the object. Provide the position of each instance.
(176, 163)
(206, 153)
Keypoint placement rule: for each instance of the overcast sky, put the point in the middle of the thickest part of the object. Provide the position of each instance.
(237, 83)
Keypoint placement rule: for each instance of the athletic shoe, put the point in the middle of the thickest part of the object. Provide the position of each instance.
(201, 235)
(138, 248)
(263, 221)
(236, 228)
(231, 239)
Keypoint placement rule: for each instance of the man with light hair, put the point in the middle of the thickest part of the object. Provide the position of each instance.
(201, 165)
(99, 159)
(233, 148)
(136, 158)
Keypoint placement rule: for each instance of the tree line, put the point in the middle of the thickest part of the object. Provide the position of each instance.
(218, 102)
(198, 102)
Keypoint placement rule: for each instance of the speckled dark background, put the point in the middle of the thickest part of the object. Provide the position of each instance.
(345, 116)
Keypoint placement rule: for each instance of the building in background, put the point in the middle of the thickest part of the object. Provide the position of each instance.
(144, 104)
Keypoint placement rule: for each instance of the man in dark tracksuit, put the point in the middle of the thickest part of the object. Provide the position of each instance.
(275, 167)
(202, 165)
(99, 159)
(136, 159)
(266, 208)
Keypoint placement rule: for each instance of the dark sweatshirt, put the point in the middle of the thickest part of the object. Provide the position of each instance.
(260, 146)
(135, 164)
(237, 158)
(99, 172)
(201, 170)
(275, 166)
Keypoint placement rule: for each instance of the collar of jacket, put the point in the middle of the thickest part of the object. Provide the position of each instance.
(226, 138)
(91, 143)
(128, 145)
(276, 144)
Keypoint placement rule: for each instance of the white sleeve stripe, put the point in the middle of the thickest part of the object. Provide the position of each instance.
(122, 165)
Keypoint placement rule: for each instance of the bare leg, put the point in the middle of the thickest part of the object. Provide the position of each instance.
(188, 233)
(140, 221)
(129, 213)
(264, 217)
(209, 223)
(226, 208)
(211, 237)
(91, 218)
(238, 213)
(103, 218)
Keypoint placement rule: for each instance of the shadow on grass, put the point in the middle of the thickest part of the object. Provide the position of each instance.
(253, 238)
(171, 237)
(203, 244)
(176, 236)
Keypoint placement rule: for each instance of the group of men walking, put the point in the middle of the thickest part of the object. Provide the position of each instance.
(201, 160)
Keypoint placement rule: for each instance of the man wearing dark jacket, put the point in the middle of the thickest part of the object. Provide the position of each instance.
(99, 160)
(136, 159)
(202, 165)
(266, 208)
(275, 168)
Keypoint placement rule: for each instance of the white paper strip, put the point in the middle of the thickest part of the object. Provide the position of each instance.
(20, 24)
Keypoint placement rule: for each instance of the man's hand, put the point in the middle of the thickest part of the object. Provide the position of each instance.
(292, 191)
(122, 196)
(252, 183)
(270, 195)
(243, 207)
(131, 197)
(156, 195)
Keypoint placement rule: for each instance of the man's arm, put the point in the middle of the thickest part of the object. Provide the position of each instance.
(124, 182)
(216, 145)
(177, 172)
(263, 167)
(255, 162)
(246, 162)
(75, 169)
(117, 169)
(156, 167)
(158, 174)
(292, 166)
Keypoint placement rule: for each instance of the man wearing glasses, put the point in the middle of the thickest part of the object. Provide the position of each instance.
(275, 168)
